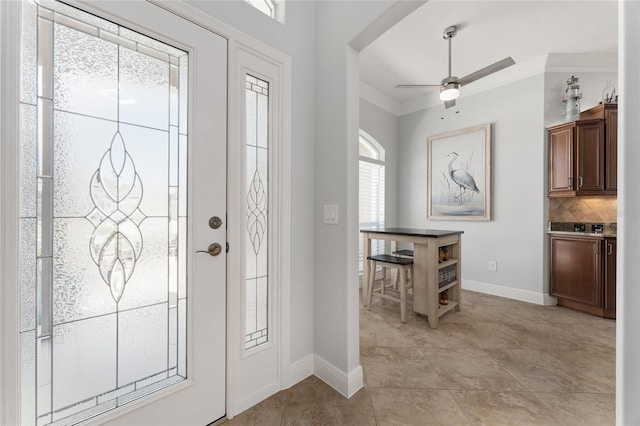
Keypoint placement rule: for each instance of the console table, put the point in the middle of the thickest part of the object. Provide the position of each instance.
(431, 275)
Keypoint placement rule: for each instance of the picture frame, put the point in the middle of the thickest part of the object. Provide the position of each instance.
(459, 174)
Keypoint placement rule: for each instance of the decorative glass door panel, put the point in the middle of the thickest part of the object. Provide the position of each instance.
(103, 214)
(257, 211)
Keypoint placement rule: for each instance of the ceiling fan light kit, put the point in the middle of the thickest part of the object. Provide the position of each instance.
(450, 86)
(449, 92)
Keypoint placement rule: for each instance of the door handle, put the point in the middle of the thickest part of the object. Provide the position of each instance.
(214, 249)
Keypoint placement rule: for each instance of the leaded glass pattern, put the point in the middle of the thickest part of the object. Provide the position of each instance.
(103, 218)
(257, 212)
(116, 242)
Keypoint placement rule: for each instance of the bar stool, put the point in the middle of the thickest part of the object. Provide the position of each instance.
(403, 265)
(402, 253)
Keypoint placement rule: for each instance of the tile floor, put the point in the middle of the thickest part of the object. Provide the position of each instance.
(496, 362)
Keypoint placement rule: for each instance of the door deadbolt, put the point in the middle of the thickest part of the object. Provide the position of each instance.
(215, 222)
(214, 249)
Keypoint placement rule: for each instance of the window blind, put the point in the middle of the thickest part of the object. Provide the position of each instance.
(371, 203)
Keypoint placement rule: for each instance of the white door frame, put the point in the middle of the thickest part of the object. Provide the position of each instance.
(9, 132)
(9, 269)
(248, 382)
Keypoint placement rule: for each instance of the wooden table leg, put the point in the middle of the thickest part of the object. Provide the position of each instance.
(366, 252)
(425, 293)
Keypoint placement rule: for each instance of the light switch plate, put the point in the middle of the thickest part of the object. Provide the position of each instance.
(331, 214)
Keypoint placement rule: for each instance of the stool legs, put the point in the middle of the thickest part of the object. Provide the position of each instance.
(403, 295)
(372, 280)
(384, 283)
(404, 273)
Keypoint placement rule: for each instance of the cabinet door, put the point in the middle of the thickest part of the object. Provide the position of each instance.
(590, 156)
(576, 272)
(561, 159)
(610, 278)
(611, 153)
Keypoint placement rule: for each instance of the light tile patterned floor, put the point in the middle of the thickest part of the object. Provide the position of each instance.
(497, 362)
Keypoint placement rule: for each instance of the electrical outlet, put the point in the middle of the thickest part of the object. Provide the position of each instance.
(493, 265)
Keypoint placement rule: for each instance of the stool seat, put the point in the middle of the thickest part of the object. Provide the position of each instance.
(387, 258)
(405, 253)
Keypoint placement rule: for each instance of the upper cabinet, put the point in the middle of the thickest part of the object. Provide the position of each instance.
(583, 154)
(561, 148)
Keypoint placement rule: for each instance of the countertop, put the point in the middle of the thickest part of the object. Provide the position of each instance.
(584, 234)
(609, 230)
(414, 232)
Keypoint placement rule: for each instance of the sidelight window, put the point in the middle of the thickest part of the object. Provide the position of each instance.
(257, 211)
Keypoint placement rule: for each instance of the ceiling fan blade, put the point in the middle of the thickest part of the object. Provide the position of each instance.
(418, 86)
(506, 62)
(449, 104)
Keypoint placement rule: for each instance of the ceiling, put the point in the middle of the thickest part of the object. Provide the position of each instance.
(414, 52)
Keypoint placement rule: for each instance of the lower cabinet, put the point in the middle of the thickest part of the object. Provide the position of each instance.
(583, 273)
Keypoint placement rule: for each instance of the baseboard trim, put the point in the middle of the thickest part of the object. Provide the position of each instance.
(347, 384)
(510, 293)
(300, 370)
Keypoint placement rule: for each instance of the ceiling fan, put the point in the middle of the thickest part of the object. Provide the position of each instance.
(450, 86)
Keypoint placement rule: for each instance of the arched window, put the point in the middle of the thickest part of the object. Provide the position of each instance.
(270, 8)
(371, 203)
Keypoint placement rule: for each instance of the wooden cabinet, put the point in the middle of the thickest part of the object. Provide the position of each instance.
(583, 154)
(561, 159)
(582, 273)
(590, 157)
(449, 270)
(576, 272)
(610, 278)
(441, 275)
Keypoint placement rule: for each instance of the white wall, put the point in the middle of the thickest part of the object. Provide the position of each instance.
(383, 127)
(336, 180)
(515, 235)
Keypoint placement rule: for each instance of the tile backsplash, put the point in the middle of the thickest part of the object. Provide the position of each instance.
(583, 209)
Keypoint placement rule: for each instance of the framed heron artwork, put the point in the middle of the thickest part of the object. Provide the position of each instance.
(459, 174)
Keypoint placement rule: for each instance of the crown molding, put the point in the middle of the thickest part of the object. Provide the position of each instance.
(379, 99)
(582, 62)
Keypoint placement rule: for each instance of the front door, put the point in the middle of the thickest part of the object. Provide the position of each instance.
(123, 163)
